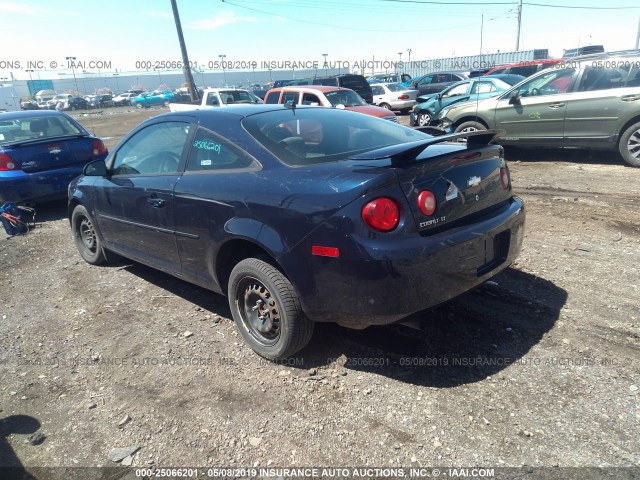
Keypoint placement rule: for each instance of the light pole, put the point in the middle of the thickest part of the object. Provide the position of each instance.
(117, 84)
(224, 73)
(409, 52)
(400, 62)
(71, 60)
(159, 77)
(325, 62)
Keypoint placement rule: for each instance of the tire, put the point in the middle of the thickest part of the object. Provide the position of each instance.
(86, 238)
(278, 332)
(629, 145)
(423, 119)
(139, 105)
(166, 103)
(385, 105)
(404, 111)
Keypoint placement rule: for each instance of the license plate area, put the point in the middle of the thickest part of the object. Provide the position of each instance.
(496, 251)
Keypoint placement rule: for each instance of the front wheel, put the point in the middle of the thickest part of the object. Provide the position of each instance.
(424, 119)
(85, 237)
(267, 310)
(629, 145)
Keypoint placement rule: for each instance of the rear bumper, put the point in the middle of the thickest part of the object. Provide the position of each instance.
(375, 283)
(20, 186)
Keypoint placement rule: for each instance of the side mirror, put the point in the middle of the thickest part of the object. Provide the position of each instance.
(514, 98)
(97, 168)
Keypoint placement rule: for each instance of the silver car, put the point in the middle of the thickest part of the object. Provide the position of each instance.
(587, 102)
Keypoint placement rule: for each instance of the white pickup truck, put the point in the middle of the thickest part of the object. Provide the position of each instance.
(218, 97)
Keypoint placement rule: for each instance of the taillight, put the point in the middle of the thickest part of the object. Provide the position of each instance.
(403, 97)
(504, 178)
(381, 214)
(427, 202)
(98, 148)
(6, 163)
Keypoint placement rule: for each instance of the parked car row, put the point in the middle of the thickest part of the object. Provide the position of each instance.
(588, 102)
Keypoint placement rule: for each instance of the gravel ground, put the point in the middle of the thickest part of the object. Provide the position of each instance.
(538, 368)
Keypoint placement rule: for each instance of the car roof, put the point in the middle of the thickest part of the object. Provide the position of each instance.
(237, 111)
(301, 88)
(30, 113)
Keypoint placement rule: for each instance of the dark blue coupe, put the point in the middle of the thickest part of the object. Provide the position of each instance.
(302, 214)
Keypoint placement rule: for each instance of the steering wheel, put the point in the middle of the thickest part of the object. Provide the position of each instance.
(168, 161)
(535, 92)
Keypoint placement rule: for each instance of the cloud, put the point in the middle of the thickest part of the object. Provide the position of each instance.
(217, 21)
(15, 8)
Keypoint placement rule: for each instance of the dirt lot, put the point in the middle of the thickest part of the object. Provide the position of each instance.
(539, 368)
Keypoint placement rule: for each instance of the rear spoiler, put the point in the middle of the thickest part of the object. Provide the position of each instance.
(404, 153)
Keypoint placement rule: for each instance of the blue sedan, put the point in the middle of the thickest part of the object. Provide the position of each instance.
(40, 153)
(302, 214)
(150, 99)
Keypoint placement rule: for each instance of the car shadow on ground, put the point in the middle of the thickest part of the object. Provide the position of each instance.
(50, 211)
(466, 340)
(569, 155)
(10, 465)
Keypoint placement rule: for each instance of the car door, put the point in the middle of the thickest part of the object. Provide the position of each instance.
(535, 111)
(603, 102)
(378, 94)
(134, 204)
(213, 190)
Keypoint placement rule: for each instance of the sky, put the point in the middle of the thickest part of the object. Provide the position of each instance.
(134, 36)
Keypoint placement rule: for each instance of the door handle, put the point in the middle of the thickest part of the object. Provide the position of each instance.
(630, 98)
(156, 202)
(555, 106)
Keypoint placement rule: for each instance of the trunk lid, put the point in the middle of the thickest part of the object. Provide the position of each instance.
(465, 182)
(52, 153)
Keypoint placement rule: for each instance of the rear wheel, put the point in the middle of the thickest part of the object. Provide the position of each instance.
(85, 237)
(385, 105)
(267, 310)
(629, 145)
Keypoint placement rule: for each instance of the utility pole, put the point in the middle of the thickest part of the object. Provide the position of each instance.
(519, 24)
(481, 32)
(186, 67)
(638, 36)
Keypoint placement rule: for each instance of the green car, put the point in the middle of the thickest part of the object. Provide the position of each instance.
(426, 111)
(587, 102)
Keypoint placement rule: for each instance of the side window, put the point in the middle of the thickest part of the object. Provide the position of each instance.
(210, 151)
(377, 90)
(524, 70)
(483, 87)
(289, 97)
(426, 80)
(272, 97)
(552, 82)
(599, 78)
(157, 149)
(212, 99)
(309, 98)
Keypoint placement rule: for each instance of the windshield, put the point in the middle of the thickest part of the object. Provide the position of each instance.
(236, 96)
(35, 128)
(348, 98)
(307, 136)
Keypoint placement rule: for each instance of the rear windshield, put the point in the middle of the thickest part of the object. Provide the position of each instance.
(37, 127)
(395, 87)
(307, 136)
(235, 96)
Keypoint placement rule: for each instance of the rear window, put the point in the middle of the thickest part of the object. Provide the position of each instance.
(395, 87)
(37, 127)
(348, 98)
(307, 136)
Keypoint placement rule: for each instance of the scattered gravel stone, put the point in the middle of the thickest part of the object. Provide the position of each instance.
(255, 441)
(118, 454)
(36, 438)
(91, 405)
(187, 334)
(126, 419)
